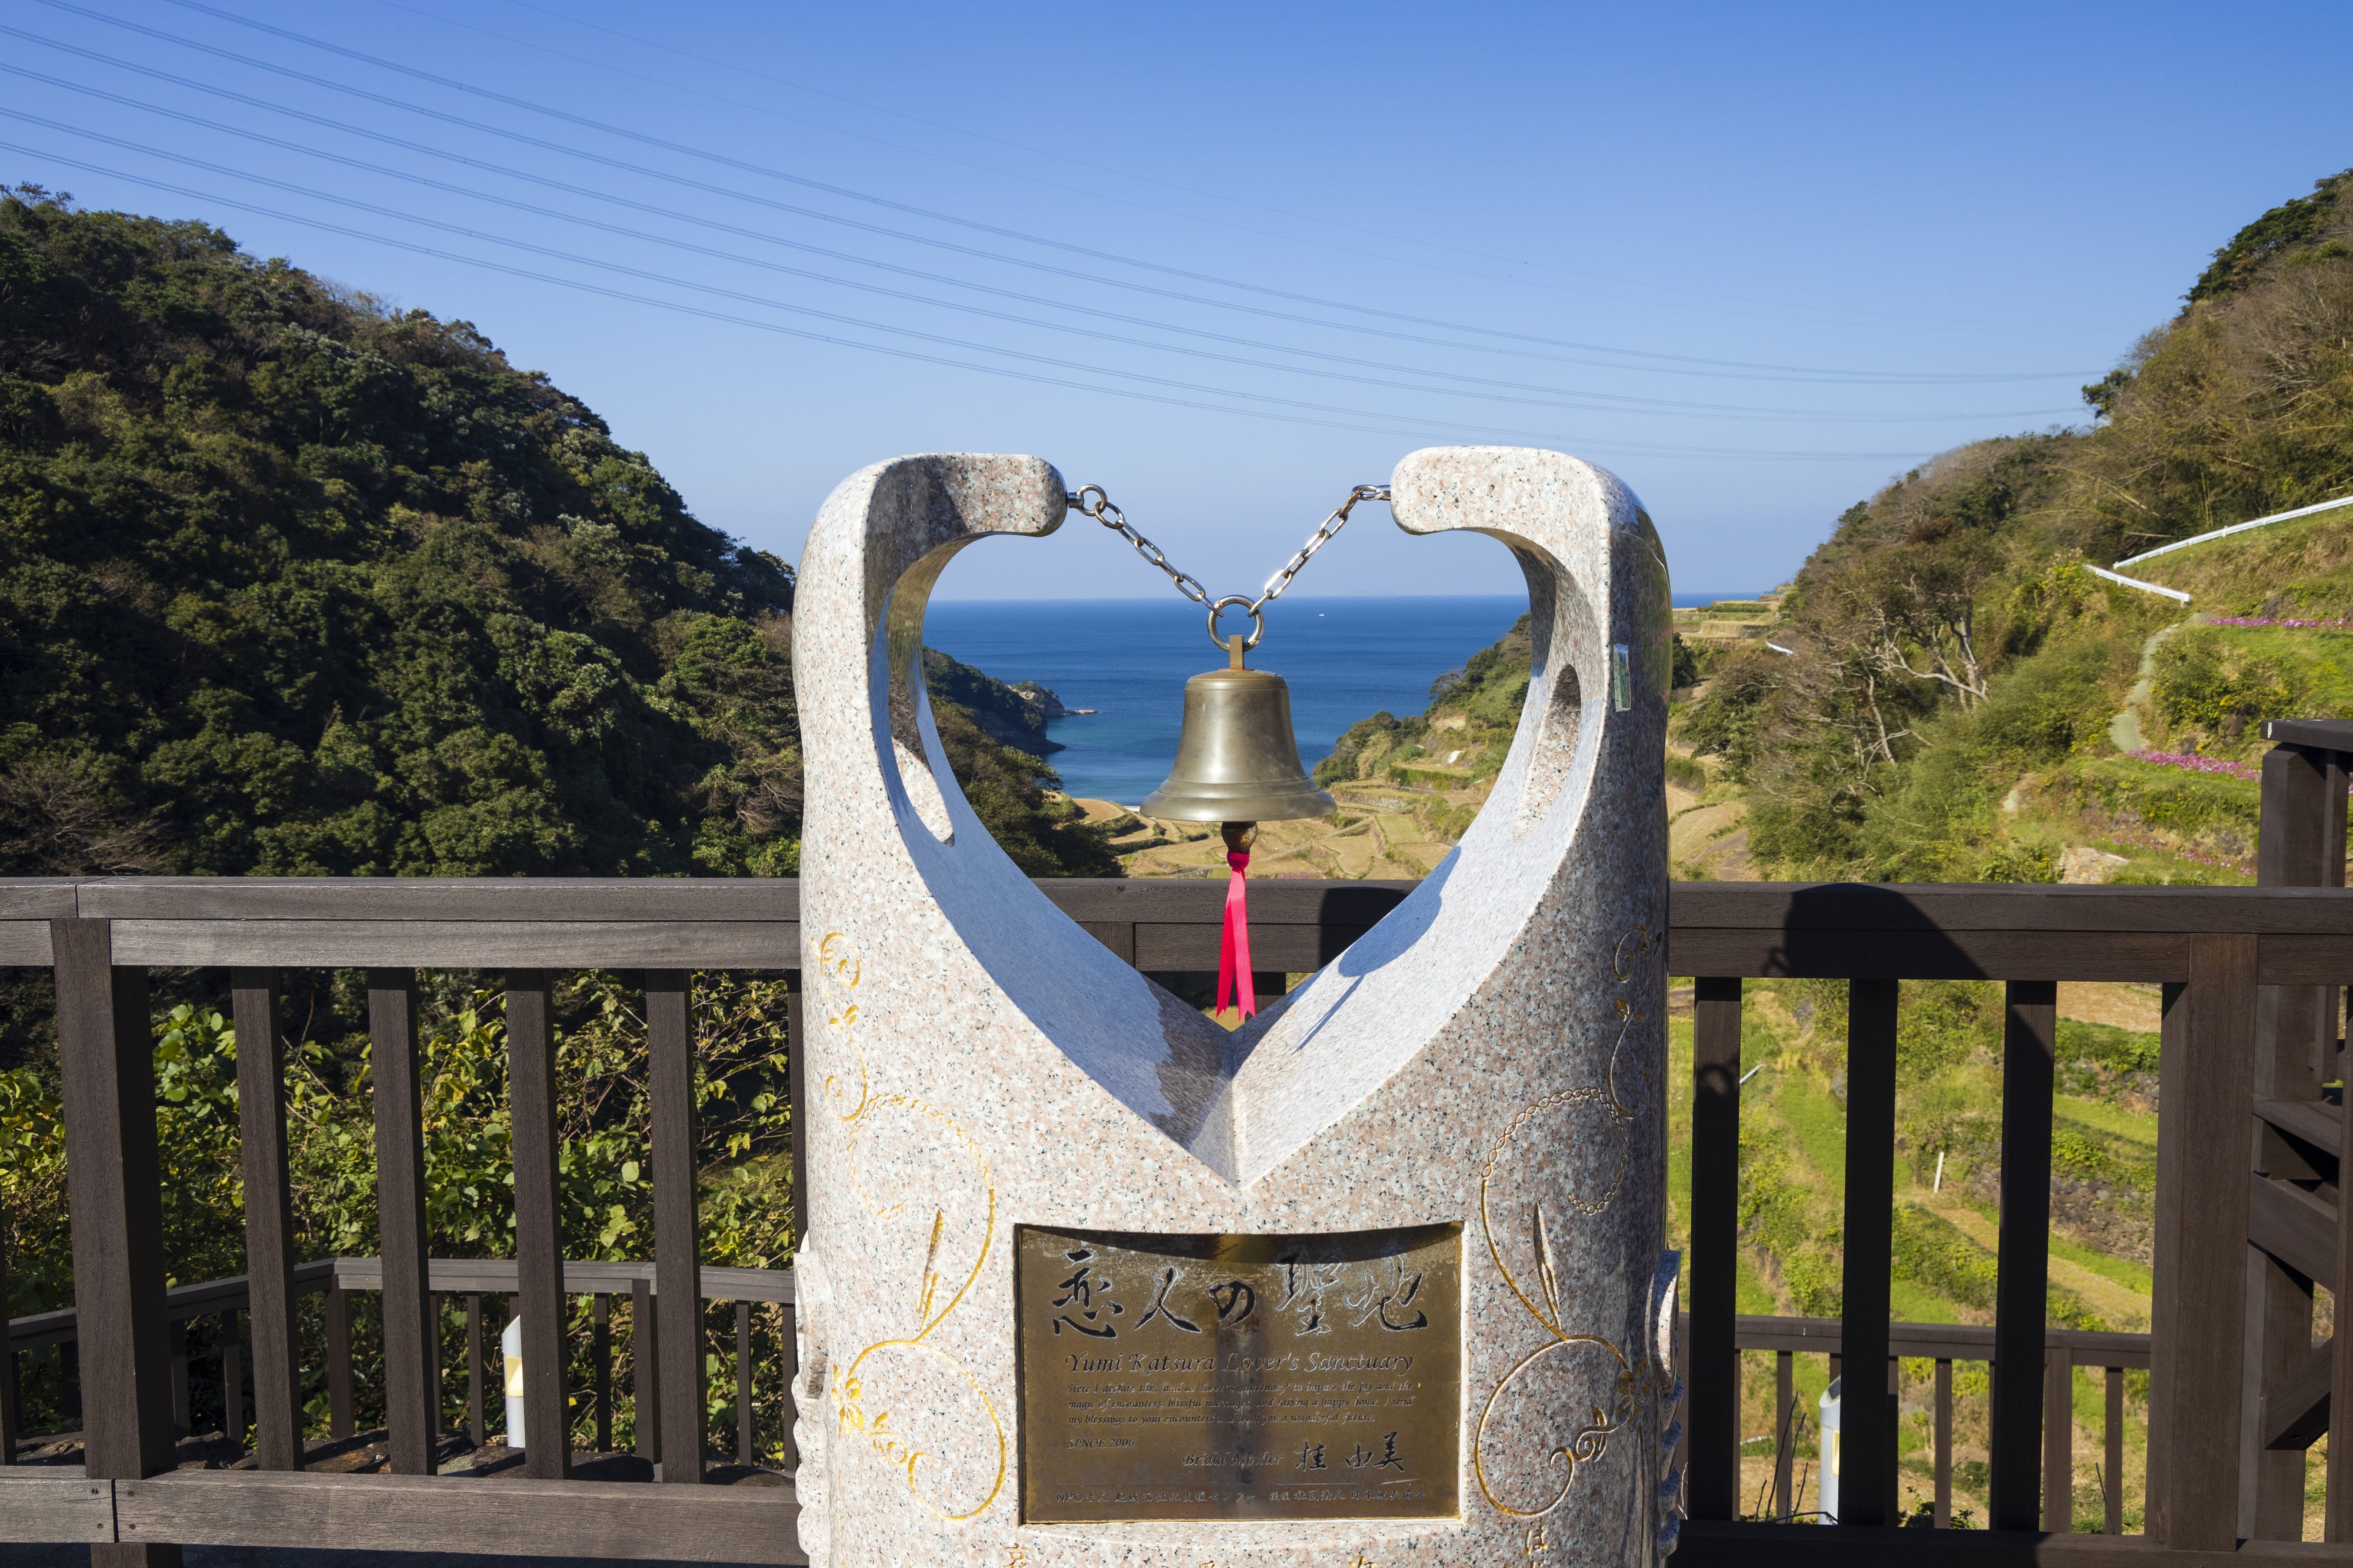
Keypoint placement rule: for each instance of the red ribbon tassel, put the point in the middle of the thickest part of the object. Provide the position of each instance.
(1233, 947)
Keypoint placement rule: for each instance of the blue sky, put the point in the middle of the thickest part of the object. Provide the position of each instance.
(1227, 261)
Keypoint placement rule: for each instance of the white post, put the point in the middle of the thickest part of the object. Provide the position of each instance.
(1826, 1483)
(511, 1347)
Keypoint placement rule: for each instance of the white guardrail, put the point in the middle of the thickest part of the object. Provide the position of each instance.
(2201, 538)
(2235, 528)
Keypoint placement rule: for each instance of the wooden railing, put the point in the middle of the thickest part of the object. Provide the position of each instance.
(2213, 951)
(455, 1284)
(2064, 1350)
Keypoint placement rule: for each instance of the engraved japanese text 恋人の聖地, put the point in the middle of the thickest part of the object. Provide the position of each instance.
(1297, 1377)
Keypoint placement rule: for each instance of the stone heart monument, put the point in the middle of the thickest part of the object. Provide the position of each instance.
(1376, 1280)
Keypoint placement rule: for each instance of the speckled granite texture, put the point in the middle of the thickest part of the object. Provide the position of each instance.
(1492, 1055)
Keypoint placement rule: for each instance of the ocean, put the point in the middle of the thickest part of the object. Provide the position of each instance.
(1346, 658)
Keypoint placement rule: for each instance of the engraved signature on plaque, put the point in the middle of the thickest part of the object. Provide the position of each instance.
(1239, 1376)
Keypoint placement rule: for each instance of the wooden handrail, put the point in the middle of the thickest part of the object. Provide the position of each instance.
(2022, 932)
(596, 901)
(445, 1277)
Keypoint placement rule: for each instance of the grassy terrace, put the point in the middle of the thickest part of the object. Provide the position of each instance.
(1793, 1162)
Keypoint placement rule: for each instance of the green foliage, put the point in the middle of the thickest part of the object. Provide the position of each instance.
(1687, 771)
(293, 583)
(1944, 1024)
(2102, 394)
(2295, 222)
(1932, 1251)
(2214, 684)
(1726, 723)
(1006, 789)
(1342, 764)
(602, 1117)
(32, 1194)
(997, 708)
(1685, 663)
(2195, 806)
(1495, 680)
(1950, 638)
(2243, 404)
(2049, 708)
(2086, 1047)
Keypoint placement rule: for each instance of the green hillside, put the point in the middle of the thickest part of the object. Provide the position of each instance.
(1967, 702)
(295, 583)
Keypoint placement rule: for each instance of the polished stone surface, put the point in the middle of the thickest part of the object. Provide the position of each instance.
(1492, 1056)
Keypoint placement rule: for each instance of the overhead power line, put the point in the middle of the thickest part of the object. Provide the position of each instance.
(1048, 268)
(779, 328)
(1558, 397)
(846, 193)
(1352, 247)
(602, 264)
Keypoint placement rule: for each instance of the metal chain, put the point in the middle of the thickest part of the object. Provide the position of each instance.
(1101, 507)
(1318, 540)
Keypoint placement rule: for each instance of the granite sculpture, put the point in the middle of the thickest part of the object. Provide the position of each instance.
(1450, 1142)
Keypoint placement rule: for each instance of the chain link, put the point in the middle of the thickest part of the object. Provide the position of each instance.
(1318, 540)
(1102, 509)
(1090, 500)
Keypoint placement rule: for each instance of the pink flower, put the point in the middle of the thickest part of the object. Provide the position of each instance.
(2198, 764)
(2264, 621)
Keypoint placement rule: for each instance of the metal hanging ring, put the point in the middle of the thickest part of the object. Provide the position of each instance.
(1258, 621)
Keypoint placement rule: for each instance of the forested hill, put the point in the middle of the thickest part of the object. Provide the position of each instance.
(295, 583)
(1965, 702)
(1954, 696)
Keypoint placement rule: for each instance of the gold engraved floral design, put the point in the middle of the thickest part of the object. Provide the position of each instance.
(896, 1364)
(1539, 1294)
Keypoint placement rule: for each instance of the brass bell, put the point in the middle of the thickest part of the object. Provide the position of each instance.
(1236, 761)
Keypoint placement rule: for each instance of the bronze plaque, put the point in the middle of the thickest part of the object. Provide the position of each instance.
(1239, 1376)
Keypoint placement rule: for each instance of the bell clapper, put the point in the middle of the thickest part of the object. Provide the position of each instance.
(1238, 836)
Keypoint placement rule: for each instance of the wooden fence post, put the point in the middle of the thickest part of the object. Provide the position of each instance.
(1713, 1478)
(342, 1419)
(744, 1382)
(788, 1318)
(9, 1418)
(539, 1240)
(645, 1367)
(411, 1400)
(678, 1265)
(795, 1044)
(114, 1187)
(2199, 1308)
(1867, 1411)
(268, 1220)
(475, 1430)
(2059, 1441)
(2302, 845)
(600, 1352)
(2023, 1266)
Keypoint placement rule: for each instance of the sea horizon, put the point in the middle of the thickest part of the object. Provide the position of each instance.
(1344, 657)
